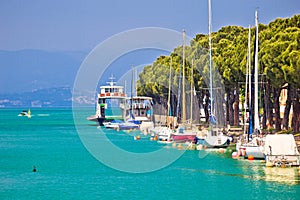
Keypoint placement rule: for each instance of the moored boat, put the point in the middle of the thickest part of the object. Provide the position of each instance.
(182, 134)
(254, 148)
(184, 137)
(252, 144)
(108, 103)
(128, 126)
(281, 150)
(114, 124)
(137, 112)
(213, 139)
(138, 109)
(256, 152)
(165, 135)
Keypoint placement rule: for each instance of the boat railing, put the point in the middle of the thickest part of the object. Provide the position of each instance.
(139, 105)
(112, 94)
(136, 106)
(235, 131)
(287, 160)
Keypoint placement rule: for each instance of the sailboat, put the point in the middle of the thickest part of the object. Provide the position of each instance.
(184, 133)
(164, 132)
(253, 145)
(214, 137)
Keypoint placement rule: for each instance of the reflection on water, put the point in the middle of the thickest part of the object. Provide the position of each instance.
(258, 171)
(288, 175)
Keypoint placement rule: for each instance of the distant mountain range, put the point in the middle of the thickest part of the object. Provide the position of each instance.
(39, 78)
(53, 97)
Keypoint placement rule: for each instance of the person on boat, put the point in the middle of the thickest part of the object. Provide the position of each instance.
(195, 140)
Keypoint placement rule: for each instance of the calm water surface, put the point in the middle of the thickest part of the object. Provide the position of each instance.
(66, 170)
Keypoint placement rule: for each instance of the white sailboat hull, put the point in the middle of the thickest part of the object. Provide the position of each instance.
(255, 151)
(217, 141)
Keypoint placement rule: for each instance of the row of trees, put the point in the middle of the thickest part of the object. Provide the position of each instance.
(279, 68)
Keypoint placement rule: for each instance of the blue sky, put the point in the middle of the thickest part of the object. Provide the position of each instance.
(80, 25)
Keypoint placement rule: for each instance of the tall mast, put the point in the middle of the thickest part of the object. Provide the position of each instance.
(169, 92)
(179, 93)
(247, 78)
(192, 81)
(132, 82)
(256, 116)
(135, 79)
(249, 66)
(131, 92)
(210, 56)
(183, 80)
(125, 101)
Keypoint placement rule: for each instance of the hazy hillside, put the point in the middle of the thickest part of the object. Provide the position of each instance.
(50, 97)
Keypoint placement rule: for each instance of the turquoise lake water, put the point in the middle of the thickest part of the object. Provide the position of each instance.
(66, 169)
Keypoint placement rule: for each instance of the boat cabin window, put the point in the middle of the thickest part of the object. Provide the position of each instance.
(112, 90)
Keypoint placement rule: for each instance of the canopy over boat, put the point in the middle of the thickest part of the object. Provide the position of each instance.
(280, 144)
(281, 150)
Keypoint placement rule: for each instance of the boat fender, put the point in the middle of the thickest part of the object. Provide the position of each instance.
(137, 137)
(250, 157)
(221, 150)
(235, 155)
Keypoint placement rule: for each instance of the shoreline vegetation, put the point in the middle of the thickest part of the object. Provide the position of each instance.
(279, 69)
(279, 73)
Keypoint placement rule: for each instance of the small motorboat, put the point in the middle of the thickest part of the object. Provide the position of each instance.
(114, 124)
(165, 136)
(128, 126)
(25, 113)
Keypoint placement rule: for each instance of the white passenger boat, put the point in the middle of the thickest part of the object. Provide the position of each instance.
(108, 103)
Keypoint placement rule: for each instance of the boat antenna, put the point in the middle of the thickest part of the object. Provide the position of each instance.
(111, 82)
